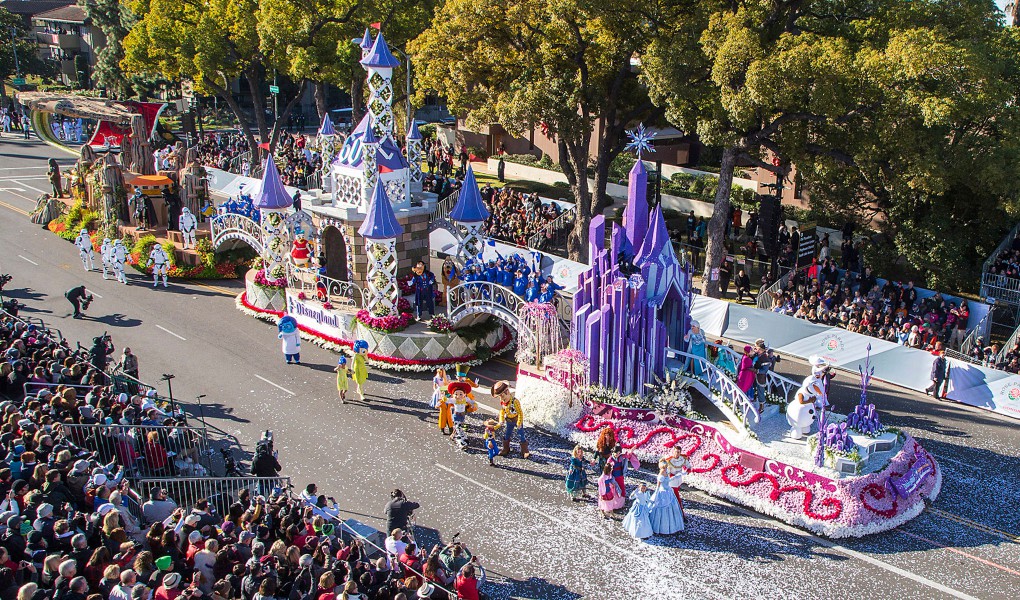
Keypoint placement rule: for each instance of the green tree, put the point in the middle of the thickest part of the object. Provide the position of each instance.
(15, 40)
(215, 43)
(563, 63)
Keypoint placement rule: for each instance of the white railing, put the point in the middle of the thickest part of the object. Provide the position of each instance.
(221, 492)
(765, 299)
(482, 297)
(323, 288)
(236, 162)
(130, 445)
(1004, 289)
(566, 219)
(444, 206)
(776, 384)
(230, 226)
(723, 392)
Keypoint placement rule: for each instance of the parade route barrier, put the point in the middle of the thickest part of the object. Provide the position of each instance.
(983, 387)
(219, 491)
(129, 445)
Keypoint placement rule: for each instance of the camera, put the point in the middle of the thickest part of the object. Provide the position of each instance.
(85, 306)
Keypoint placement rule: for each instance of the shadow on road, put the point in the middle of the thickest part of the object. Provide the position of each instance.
(115, 320)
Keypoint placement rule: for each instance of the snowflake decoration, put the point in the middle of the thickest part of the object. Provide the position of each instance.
(640, 140)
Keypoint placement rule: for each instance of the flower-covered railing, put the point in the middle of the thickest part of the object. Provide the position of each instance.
(723, 391)
(232, 226)
(327, 289)
(776, 385)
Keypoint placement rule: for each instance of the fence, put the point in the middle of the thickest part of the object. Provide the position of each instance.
(444, 206)
(129, 445)
(323, 288)
(554, 233)
(765, 299)
(995, 286)
(221, 492)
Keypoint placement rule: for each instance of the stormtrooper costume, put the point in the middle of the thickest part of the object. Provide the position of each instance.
(187, 223)
(84, 244)
(160, 263)
(104, 255)
(118, 256)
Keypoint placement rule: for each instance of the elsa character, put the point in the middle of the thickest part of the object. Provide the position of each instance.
(695, 340)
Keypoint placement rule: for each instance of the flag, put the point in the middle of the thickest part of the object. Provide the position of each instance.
(264, 145)
(376, 25)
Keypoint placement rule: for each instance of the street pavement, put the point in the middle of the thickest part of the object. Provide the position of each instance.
(534, 541)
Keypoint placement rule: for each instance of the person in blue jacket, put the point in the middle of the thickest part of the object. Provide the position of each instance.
(531, 294)
(520, 283)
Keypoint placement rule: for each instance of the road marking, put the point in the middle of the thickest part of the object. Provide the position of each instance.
(600, 540)
(28, 177)
(960, 552)
(98, 296)
(847, 551)
(14, 208)
(28, 260)
(214, 288)
(975, 525)
(12, 189)
(275, 385)
(171, 333)
(29, 186)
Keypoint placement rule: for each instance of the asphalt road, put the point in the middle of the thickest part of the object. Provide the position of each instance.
(535, 542)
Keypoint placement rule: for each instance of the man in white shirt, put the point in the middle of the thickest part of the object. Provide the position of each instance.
(395, 546)
(159, 506)
(122, 591)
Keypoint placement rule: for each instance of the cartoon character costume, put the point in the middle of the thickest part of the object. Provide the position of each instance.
(291, 339)
(666, 516)
(104, 255)
(512, 417)
(463, 403)
(160, 263)
(359, 373)
(638, 521)
(445, 418)
(489, 437)
(439, 382)
(118, 256)
(619, 462)
(342, 378)
(84, 244)
(611, 497)
(675, 463)
(300, 253)
(187, 223)
(424, 291)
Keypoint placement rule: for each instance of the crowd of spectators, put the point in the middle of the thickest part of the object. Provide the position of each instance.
(1007, 263)
(858, 303)
(515, 216)
(219, 149)
(72, 526)
(298, 158)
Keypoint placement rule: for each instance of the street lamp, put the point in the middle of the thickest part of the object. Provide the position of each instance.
(170, 391)
(14, 47)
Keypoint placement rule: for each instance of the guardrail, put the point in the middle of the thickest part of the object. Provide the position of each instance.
(1007, 345)
(323, 288)
(776, 384)
(723, 391)
(129, 445)
(221, 492)
(565, 220)
(33, 387)
(1000, 287)
(1005, 243)
(232, 226)
(444, 206)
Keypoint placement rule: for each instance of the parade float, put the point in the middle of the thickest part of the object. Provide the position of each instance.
(334, 264)
(636, 366)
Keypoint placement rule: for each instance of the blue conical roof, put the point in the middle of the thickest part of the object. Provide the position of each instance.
(327, 126)
(469, 207)
(380, 223)
(380, 55)
(271, 194)
(414, 134)
(366, 40)
(369, 136)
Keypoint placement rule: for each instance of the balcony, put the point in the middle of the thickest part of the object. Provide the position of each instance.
(63, 41)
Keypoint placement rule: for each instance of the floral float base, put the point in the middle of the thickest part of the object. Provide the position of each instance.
(836, 508)
(262, 296)
(401, 351)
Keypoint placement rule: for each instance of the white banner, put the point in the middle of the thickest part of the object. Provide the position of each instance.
(311, 315)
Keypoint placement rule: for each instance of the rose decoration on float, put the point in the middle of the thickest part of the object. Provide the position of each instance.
(385, 324)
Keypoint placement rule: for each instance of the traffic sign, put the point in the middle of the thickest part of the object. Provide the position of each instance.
(274, 89)
(19, 81)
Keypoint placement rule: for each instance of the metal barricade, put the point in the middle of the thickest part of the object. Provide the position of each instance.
(323, 288)
(141, 453)
(32, 387)
(444, 206)
(221, 492)
(549, 237)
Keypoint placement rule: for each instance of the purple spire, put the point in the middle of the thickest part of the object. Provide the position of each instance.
(380, 56)
(380, 223)
(369, 137)
(271, 194)
(326, 129)
(414, 134)
(366, 40)
(469, 207)
(635, 216)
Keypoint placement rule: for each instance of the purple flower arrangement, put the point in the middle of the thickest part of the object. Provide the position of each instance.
(440, 324)
(263, 280)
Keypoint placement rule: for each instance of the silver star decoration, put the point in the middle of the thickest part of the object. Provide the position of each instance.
(640, 140)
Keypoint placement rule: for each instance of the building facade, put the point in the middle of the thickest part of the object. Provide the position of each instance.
(68, 39)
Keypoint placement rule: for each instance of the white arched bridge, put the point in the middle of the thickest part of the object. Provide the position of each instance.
(231, 226)
(485, 298)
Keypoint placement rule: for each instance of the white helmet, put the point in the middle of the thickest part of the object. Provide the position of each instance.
(84, 231)
(118, 243)
(106, 240)
(186, 209)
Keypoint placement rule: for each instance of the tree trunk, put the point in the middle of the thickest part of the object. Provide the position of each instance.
(574, 162)
(319, 92)
(275, 136)
(242, 118)
(716, 249)
(357, 97)
(259, 101)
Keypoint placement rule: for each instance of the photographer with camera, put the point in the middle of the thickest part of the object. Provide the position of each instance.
(102, 348)
(399, 511)
(265, 463)
(80, 298)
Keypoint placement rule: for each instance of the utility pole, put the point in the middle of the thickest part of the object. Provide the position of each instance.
(14, 47)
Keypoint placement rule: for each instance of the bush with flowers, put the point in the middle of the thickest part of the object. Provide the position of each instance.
(265, 281)
(440, 324)
(386, 323)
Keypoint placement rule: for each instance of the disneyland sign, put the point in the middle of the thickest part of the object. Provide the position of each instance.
(311, 315)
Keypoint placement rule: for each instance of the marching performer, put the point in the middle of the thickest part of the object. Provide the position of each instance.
(160, 264)
(104, 255)
(84, 244)
(187, 223)
(118, 256)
